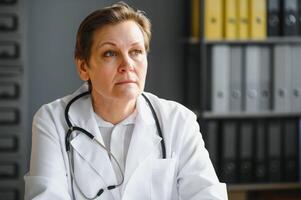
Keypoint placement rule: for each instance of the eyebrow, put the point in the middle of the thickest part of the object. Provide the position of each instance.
(113, 44)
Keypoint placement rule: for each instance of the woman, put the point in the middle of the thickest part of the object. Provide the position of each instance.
(109, 139)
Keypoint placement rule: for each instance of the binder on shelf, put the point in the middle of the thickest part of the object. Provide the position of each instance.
(274, 151)
(291, 151)
(260, 163)
(290, 17)
(220, 78)
(274, 16)
(243, 20)
(236, 79)
(252, 70)
(213, 19)
(195, 18)
(282, 78)
(258, 80)
(231, 20)
(212, 137)
(295, 92)
(258, 10)
(228, 170)
(265, 83)
(246, 152)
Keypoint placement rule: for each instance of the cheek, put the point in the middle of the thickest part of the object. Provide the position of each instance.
(144, 71)
(102, 77)
(141, 73)
(144, 68)
(143, 63)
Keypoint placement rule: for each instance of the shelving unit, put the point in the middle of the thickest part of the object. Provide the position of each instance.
(268, 121)
(13, 135)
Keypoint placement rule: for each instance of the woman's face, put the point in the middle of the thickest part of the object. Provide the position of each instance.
(118, 62)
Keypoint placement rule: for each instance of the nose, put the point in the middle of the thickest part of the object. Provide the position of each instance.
(126, 64)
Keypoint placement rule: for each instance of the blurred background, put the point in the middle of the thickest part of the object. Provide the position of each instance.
(235, 63)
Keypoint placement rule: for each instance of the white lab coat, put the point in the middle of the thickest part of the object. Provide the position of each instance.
(187, 173)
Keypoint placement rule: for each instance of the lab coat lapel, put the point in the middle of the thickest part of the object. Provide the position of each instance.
(145, 140)
(81, 114)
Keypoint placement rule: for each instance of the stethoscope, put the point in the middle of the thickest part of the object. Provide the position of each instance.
(72, 128)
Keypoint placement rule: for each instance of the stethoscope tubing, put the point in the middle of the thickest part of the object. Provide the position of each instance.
(157, 125)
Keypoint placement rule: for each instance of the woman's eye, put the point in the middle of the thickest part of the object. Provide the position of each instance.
(136, 52)
(109, 53)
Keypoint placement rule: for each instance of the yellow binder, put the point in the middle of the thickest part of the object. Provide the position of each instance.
(195, 19)
(243, 19)
(258, 12)
(231, 20)
(213, 19)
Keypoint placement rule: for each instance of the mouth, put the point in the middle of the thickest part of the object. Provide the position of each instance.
(125, 82)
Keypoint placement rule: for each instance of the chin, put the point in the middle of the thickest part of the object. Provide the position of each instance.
(129, 95)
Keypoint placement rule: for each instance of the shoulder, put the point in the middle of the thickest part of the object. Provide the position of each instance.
(179, 124)
(170, 110)
(57, 107)
(51, 113)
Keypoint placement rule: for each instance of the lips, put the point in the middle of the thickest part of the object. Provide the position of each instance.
(125, 82)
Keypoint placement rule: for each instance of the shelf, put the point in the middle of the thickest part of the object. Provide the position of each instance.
(263, 186)
(242, 115)
(271, 40)
(190, 40)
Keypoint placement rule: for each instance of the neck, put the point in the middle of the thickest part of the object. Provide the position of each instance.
(113, 111)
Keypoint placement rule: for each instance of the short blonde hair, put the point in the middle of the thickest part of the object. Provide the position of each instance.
(110, 15)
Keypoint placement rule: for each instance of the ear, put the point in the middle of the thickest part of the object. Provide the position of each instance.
(82, 69)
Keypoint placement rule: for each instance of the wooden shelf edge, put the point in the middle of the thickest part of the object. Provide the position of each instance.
(263, 186)
(270, 40)
(241, 115)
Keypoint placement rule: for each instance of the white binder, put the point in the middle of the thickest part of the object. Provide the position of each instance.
(295, 92)
(220, 78)
(265, 79)
(258, 80)
(282, 78)
(236, 73)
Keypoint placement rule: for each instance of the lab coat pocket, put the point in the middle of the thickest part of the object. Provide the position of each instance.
(163, 178)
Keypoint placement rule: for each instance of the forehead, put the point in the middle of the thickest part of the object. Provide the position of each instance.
(121, 33)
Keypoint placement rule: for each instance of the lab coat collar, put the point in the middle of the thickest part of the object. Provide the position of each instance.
(85, 108)
(81, 111)
(144, 115)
